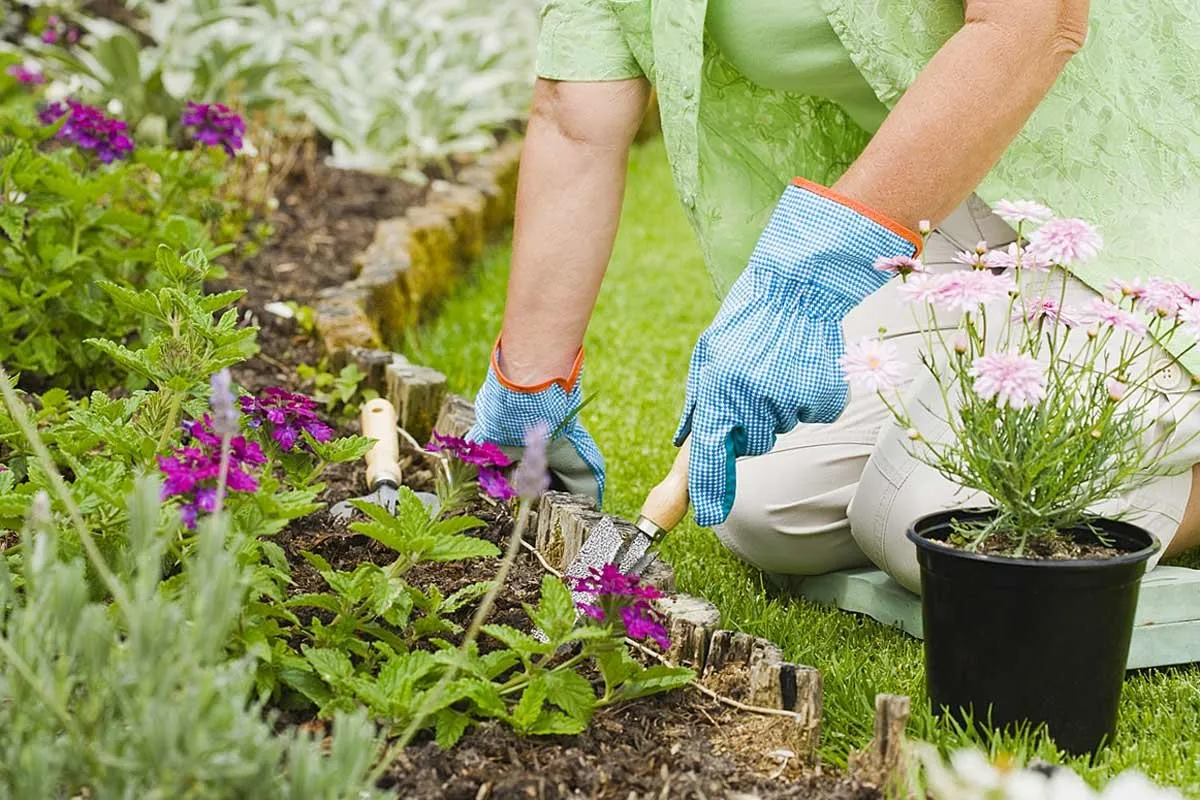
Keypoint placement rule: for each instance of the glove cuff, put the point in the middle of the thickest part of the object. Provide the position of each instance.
(869, 213)
(567, 383)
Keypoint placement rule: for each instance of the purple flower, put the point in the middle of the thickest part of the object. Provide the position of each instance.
(25, 75)
(495, 485)
(286, 415)
(214, 125)
(89, 129)
(193, 470)
(532, 476)
(623, 600)
(479, 454)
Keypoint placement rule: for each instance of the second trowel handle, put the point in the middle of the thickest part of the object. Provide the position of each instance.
(667, 502)
(379, 422)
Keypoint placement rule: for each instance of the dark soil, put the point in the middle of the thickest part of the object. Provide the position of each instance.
(326, 217)
(681, 745)
(1045, 548)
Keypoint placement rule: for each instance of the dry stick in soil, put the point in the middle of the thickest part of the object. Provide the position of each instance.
(17, 409)
(481, 614)
(720, 698)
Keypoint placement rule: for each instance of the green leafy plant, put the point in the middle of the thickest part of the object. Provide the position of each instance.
(341, 394)
(66, 225)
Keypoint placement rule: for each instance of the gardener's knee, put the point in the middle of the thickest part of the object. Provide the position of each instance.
(790, 514)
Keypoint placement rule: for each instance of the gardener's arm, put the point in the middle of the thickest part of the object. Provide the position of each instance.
(568, 203)
(965, 107)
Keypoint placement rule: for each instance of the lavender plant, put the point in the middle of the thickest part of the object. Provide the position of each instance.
(1050, 408)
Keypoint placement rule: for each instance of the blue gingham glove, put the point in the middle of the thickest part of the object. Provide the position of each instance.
(504, 411)
(770, 358)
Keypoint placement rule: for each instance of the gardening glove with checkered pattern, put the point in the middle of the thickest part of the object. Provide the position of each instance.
(505, 411)
(770, 358)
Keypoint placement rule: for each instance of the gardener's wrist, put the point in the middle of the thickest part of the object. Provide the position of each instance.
(528, 372)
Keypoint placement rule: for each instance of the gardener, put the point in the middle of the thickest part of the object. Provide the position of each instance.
(906, 111)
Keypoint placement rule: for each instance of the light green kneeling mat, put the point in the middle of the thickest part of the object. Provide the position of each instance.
(1166, 629)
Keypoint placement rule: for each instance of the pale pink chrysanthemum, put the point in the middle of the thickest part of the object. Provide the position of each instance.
(1014, 257)
(1123, 288)
(1166, 297)
(975, 259)
(959, 291)
(1066, 241)
(1109, 315)
(1045, 309)
(900, 265)
(873, 365)
(1014, 380)
(1189, 315)
(1015, 212)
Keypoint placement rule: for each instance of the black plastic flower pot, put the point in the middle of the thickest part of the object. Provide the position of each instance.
(1014, 641)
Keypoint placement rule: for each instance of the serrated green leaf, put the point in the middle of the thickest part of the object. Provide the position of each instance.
(520, 642)
(571, 692)
(486, 696)
(616, 666)
(333, 666)
(497, 662)
(339, 451)
(316, 600)
(552, 723)
(655, 679)
(275, 556)
(465, 595)
(460, 548)
(555, 613)
(450, 725)
(12, 222)
(308, 684)
(529, 708)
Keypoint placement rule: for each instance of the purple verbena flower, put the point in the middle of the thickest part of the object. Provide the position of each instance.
(286, 415)
(214, 125)
(25, 75)
(623, 601)
(193, 470)
(495, 485)
(89, 129)
(479, 454)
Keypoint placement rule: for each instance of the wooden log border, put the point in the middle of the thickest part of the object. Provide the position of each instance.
(562, 522)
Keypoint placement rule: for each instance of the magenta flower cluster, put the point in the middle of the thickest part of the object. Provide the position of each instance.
(285, 416)
(89, 129)
(193, 470)
(487, 457)
(214, 125)
(59, 31)
(623, 599)
(25, 75)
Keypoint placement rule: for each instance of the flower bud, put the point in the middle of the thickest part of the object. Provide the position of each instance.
(981, 248)
(114, 107)
(1116, 389)
(924, 228)
(913, 434)
(960, 343)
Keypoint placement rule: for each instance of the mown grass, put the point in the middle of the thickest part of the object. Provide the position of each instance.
(656, 300)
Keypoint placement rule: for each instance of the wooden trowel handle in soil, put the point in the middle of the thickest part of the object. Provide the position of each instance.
(379, 423)
(667, 502)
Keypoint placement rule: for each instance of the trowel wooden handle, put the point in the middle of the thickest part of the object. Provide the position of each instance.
(379, 422)
(667, 503)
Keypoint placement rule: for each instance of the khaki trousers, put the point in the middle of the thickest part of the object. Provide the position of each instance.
(830, 497)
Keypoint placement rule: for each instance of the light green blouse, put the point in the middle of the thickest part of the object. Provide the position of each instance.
(1117, 141)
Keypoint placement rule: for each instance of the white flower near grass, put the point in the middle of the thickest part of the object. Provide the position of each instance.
(969, 775)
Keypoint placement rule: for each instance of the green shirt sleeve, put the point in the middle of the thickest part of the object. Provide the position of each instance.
(581, 40)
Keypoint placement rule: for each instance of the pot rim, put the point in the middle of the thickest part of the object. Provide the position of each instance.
(1128, 557)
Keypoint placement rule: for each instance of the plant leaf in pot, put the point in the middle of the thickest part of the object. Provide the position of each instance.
(1043, 401)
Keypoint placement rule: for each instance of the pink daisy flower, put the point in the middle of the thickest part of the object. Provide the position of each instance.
(1065, 241)
(900, 265)
(1124, 288)
(959, 291)
(1014, 380)
(975, 259)
(1015, 212)
(1166, 297)
(1015, 257)
(1109, 315)
(1189, 315)
(873, 365)
(1045, 309)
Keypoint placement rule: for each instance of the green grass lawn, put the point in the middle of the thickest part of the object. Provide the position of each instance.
(656, 300)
